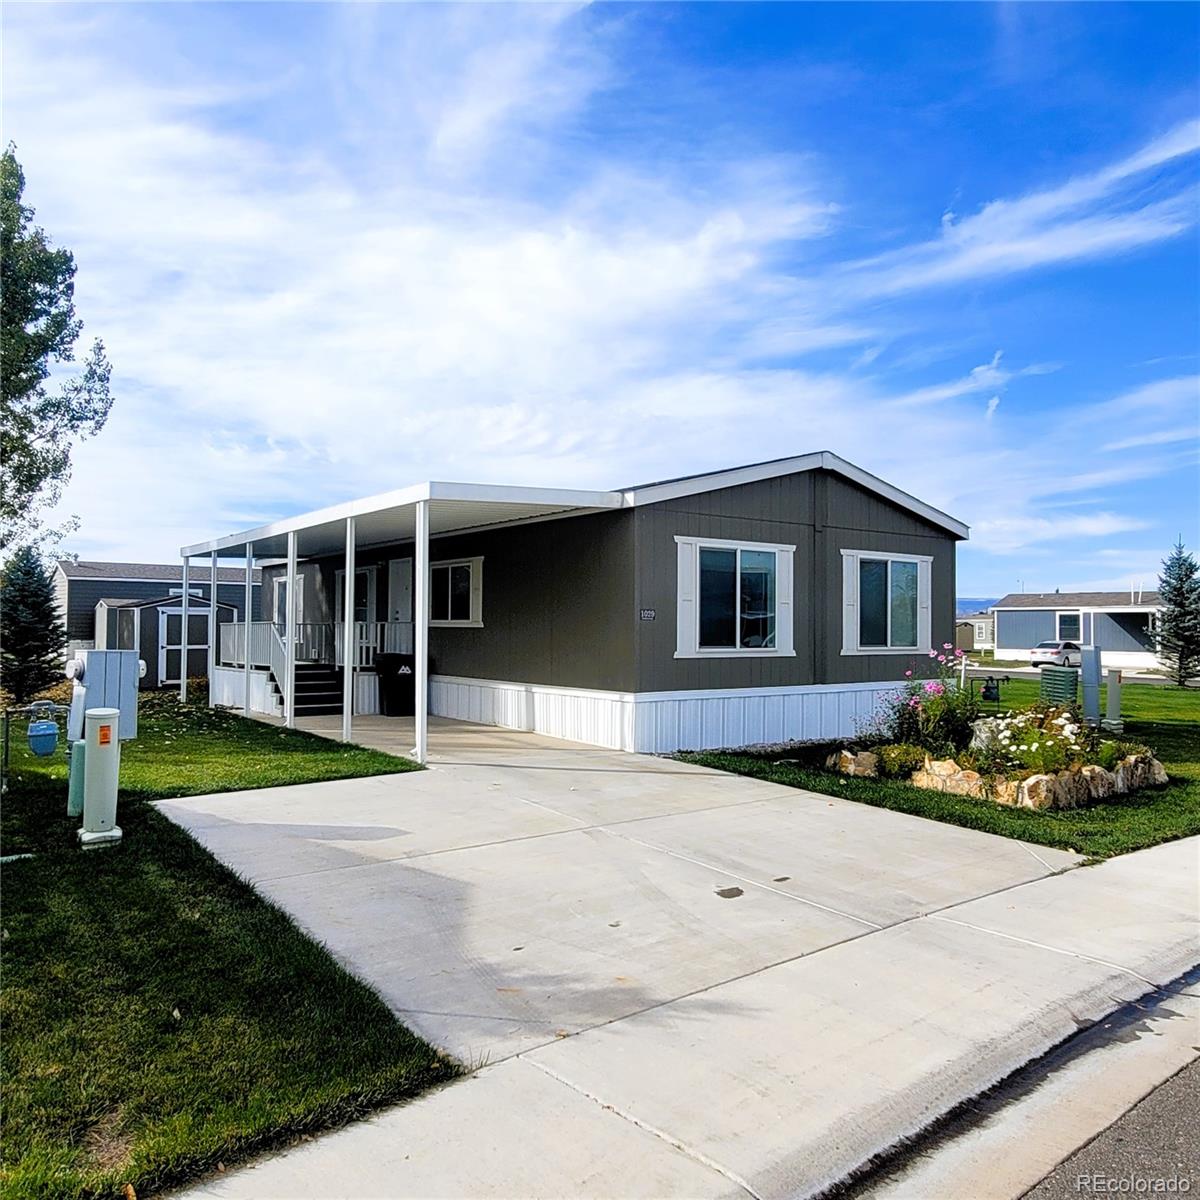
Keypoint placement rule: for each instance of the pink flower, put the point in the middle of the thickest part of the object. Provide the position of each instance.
(914, 703)
(908, 674)
(933, 654)
(958, 654)
(933, 688)
(947, 645)
(941, 658)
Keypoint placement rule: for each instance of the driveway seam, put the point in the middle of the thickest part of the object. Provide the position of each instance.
(1012, 937)
(662, 1135)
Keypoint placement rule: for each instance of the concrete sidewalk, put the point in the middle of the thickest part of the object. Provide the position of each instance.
(666, 1039)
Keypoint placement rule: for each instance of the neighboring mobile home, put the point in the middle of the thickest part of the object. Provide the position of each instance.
(138, 606)
(1122, 624)
(974, 632)
(763, 603)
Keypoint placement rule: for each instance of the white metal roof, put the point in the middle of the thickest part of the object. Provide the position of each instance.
(457, 507)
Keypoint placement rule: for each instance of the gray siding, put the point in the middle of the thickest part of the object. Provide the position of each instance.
(820, 514)
(1023, 628)
(557, 602)
(561, 598)
(1121, 631)
(84, 594)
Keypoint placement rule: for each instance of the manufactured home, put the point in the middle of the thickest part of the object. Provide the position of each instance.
(1123, 625)
(762, 603)
(138, 606)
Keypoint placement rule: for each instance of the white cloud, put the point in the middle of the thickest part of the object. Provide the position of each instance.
(447, 283)
(1087, 217)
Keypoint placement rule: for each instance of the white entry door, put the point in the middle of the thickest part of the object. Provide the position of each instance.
(170, 643)
(400, 590)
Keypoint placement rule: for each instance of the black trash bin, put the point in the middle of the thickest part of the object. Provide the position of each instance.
(397, 684)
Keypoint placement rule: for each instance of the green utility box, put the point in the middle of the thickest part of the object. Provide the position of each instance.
(1060, 685)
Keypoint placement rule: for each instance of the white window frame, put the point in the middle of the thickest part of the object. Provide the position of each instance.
(278, 602)
(339, 593)
(476, 619)
(687, 600)
(850, 602)
(1058, 633)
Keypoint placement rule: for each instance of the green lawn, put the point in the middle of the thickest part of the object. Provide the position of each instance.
(1166, 719)
(159, 1016)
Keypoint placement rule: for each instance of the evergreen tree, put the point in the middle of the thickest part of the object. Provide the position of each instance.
(1179, 620)
(33, 642)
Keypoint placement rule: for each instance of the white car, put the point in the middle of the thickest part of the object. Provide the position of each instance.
(1056, 654)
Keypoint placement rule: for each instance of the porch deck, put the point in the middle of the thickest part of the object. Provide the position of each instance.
(450, 741)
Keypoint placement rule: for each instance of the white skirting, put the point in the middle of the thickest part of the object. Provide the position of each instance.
(227, 688)
(660, 722)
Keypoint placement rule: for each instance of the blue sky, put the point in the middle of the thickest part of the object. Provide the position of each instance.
(337, 249)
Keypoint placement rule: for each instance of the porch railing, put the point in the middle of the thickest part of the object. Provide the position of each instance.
(316, 642)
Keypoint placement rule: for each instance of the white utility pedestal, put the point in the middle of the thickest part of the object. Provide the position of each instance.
(101, 769)
(1113, 721)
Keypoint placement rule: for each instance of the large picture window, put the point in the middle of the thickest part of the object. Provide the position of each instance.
(456, 593)
(885, 601)
(734, 598)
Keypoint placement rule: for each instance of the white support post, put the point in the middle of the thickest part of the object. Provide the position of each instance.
(421, 630)
(183, 636)
(246, 616)
(289, 641)
(349, 641)
(212, 628)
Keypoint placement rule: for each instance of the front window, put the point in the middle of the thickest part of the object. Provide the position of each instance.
(737, 599)
(885, 603)
(734, 599)
(1070, 627)
(456, 593)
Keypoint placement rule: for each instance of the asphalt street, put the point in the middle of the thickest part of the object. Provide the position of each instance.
(1156, 1140)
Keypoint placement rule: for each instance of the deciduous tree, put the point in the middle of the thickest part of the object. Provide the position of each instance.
(38, 327)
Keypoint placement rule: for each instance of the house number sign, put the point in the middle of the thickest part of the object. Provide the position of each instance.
(648, 614)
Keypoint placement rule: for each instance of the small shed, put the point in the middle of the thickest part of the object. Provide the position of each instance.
(154, 628)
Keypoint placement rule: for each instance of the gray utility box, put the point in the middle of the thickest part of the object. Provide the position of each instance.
(105, 679)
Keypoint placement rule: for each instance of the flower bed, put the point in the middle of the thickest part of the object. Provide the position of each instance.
(1045, 757)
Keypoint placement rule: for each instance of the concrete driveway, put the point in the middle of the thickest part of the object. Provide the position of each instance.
(683, 982)
(523, 888)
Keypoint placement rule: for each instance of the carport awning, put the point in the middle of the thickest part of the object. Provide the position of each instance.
(391, 517)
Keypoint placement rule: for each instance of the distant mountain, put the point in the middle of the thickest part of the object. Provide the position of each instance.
(973, 604)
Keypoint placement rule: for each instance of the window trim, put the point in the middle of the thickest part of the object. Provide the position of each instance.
(1058, 633)
(850, 603)
(475, 621)
(687, 599)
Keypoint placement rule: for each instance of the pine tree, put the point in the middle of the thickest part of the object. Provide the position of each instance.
(1179, 618)
(33, 642)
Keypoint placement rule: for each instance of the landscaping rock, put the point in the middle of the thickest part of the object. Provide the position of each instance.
(1006, 791)
(863, 763)
(1100, 783)
(942, 766)
(1070, 790)
(1066, 789)
(1036, 792)
(928, 780)
(965, 783)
